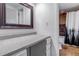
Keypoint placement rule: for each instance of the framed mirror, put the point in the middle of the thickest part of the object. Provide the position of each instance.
(16, 15)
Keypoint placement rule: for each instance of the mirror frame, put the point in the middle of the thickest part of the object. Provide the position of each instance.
(3, 24)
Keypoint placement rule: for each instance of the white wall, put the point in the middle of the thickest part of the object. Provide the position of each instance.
(47, 22)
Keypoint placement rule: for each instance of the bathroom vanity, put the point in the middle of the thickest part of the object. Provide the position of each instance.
(32, 45)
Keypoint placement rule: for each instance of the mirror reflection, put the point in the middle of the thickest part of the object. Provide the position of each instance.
(17, 14)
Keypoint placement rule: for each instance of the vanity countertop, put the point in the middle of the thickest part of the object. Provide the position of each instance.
(12, 44)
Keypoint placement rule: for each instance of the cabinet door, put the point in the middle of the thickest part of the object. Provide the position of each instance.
(38, 49)
(21, 53)
(42, 48)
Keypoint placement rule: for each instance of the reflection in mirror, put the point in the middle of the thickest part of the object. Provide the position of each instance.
(17, 14)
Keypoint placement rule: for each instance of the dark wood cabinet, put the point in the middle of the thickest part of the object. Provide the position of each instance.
(62, 24)
(62, 29)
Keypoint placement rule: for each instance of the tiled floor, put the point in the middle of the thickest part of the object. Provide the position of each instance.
(68, 50)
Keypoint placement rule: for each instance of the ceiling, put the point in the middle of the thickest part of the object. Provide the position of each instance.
(68, 6)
